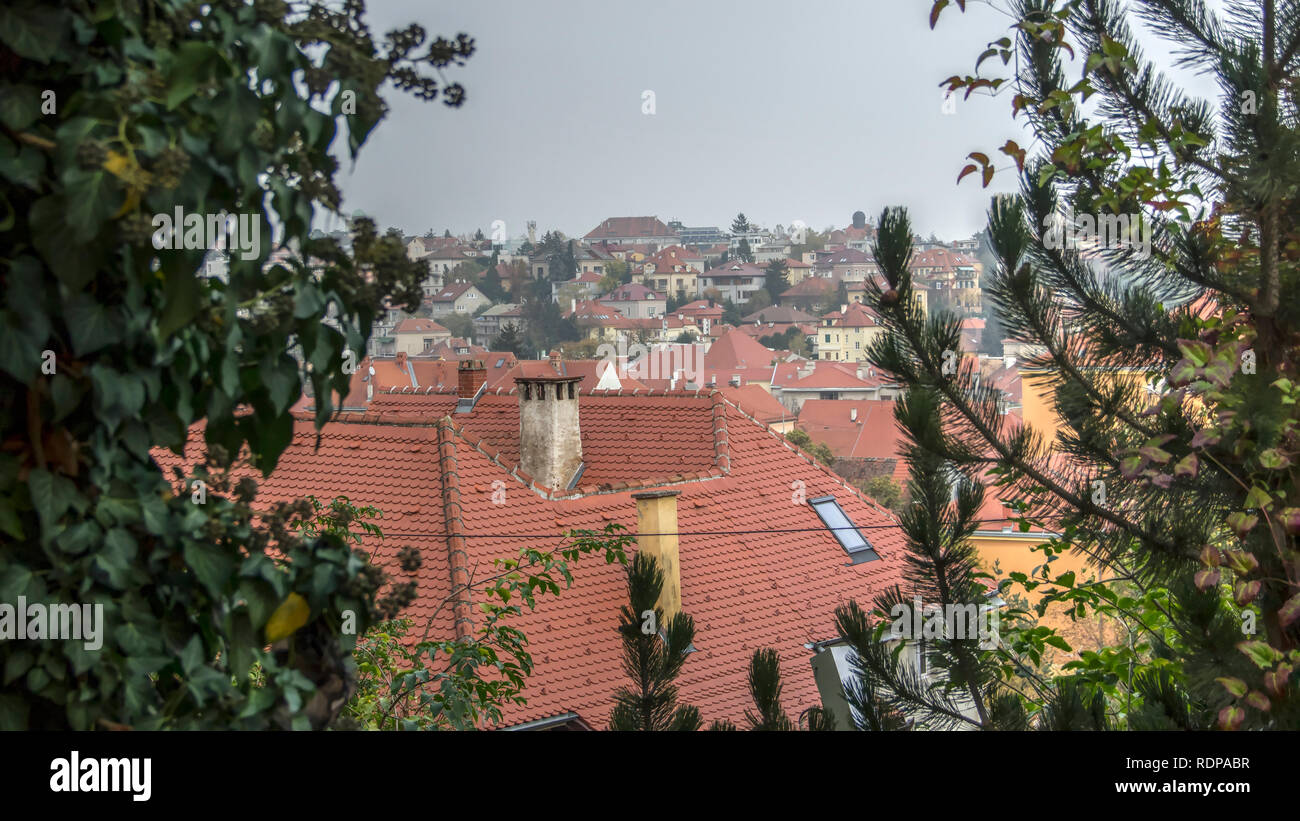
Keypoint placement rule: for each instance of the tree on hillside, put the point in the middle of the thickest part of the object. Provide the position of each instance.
(743, 252)
(460, 325)
(777, 279)
(757, 301)
(619, 271)
(508, 340)
(741, 224)
(113, 346)
(654, 651)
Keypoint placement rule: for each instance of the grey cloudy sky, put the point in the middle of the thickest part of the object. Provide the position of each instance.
(783, 110)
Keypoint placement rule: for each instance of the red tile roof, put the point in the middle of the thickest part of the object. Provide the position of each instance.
(416, 325)
(873, 434)
(622, 227)
(735, 350)
(839, 375)
(758, 569)
(857, 316)
(758, 403)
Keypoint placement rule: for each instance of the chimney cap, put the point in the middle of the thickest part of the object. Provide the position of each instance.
(656, 494)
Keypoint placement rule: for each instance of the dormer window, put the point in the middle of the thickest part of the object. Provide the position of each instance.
(844, 531)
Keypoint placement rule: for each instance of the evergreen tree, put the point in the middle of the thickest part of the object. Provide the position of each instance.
(744, 252)
(654, 652)
(765, 690)
(508, 340)
(777, 279)
(1169, 358)
(741, 224)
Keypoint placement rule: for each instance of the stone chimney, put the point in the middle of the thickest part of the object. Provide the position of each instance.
(656, 527)
(470, 376)
(550, 440)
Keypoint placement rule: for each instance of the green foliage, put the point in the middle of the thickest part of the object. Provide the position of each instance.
(110, 347)
(1177, 483)
(765, 690)
(777, 278)
(743, 252)
(508, 340)
(466, 682)
(651, 661)
(460, 325)
(885, 491)
(818, 450)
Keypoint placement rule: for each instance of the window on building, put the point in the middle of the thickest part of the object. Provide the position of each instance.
(844, 531)
(428, 343)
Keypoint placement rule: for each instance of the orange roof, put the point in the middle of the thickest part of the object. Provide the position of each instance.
(758, 403)
(857, 316)
(839, 375)
(756, 570)
(735, 350)
(872, 435)
(620, 227)
(416, 325)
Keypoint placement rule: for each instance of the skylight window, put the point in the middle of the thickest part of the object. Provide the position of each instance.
(844, 531)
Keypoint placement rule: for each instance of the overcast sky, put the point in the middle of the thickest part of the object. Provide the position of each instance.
(785, 110)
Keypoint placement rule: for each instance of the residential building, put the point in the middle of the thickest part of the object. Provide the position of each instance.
(733, 280)
(669, 272)
(699, 237)
(488, 325)
(636, 301)
(417, 335)
(457, 298)
(632, 231)
(846, 335)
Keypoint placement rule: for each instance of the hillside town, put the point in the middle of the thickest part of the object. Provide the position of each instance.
(376, 367)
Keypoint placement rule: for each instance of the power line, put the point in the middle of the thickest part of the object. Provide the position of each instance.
(678, 533)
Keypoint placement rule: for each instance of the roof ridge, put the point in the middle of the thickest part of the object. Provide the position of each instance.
(721, 440)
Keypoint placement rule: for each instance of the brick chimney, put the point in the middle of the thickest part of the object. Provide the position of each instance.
(401, 360)
(470, 376)
(656, 527)
(550, 440)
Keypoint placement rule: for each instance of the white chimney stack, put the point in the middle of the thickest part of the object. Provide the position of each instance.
(853, 414)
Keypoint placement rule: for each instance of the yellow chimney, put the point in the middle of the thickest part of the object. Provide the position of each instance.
(656, 527)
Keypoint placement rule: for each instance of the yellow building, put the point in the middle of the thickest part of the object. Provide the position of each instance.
(845, 335)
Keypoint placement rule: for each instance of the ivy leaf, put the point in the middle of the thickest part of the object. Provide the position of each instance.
(32, 31)
(90, 198)
(210, 564)
(20, 106)
(91, 324)
(292, 614)
(193, 66)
